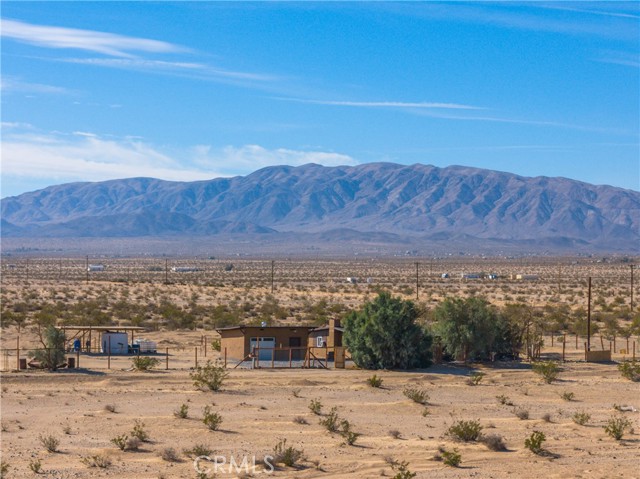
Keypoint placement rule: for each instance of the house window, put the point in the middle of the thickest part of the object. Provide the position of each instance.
(320, 342)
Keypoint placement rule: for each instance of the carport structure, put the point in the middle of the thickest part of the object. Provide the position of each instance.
(89, 333)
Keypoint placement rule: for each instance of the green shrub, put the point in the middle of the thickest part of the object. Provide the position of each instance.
(581, 418)
(549, 370)
(139, 431)
(451, 458)
(120, 441)
(534, 442)
(54, 354)
(521, 413)
(504, 400)
(210, 376)
(35, 465)
(216, 345)
(330, 421)
(475, 378)
(402, 470)
(315, 406)
(287, 455)
(97, 460)
(199, 450)
(417, 395)
(374, 381)
(4, 469)
(211, 419)
(466, 431)
(182, 412)
(630, 370)
(144, 363)
(568, 396)
(616, 427)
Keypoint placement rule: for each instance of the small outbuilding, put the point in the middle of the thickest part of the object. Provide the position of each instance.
(324, 339)
(267, 343)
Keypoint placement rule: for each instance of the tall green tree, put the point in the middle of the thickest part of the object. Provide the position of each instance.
(384, 334)
(471, 329)
(52, 354)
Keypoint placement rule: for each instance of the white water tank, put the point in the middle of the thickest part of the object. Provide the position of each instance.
(117, 343)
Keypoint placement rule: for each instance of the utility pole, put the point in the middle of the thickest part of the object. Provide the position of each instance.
(589, 317)
(272, 275)
(631, 289)
(166, 271)
(417, 281)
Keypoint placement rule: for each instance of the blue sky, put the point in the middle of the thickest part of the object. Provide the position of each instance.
(194, 90)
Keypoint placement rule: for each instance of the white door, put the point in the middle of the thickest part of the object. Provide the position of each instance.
(265, 346)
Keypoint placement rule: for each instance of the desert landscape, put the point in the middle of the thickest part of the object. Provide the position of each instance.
(402, 427)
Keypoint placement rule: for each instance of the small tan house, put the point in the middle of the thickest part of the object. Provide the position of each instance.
(264, 342)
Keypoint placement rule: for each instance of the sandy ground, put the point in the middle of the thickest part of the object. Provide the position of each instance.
(258, 408)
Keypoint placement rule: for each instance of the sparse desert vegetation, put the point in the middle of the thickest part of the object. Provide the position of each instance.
(167, 407)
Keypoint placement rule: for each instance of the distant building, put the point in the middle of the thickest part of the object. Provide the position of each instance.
(352, 280)
(527, 277)
(95, 267)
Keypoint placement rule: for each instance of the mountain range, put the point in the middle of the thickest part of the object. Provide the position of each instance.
(386, 201)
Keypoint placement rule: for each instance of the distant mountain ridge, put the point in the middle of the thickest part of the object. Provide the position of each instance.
(385, 199)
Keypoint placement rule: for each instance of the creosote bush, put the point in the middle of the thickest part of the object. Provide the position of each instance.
(210, 376)
(617, 426)
(466, 431)
(475, 378)
(548, 370)
(120, 441)
(315, 406)
(286, 455)
(534, 442)
(139, 431)
(417, 395)
(568, 396)
(199, 450)
(451, 458)
(211, 419)
(374, 381)
(401, 470)
(581, 418)
(330, 421)
(97, 460)
(182, 412)
(144, 363)
(630, 370)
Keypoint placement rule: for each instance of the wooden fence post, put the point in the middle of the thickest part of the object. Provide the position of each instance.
(109, 354)
(564, 343)
(196, 357)
(166, 366)
(18, 352)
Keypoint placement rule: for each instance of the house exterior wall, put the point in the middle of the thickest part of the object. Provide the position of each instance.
(238, 340)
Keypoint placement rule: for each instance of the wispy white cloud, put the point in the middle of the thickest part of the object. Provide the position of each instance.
(386, 104)
(191, 69)
(620, 58)
(88, 40)
(519, 121)
(86, 156)
(15, 85)
(531, 17)
(248, 158)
